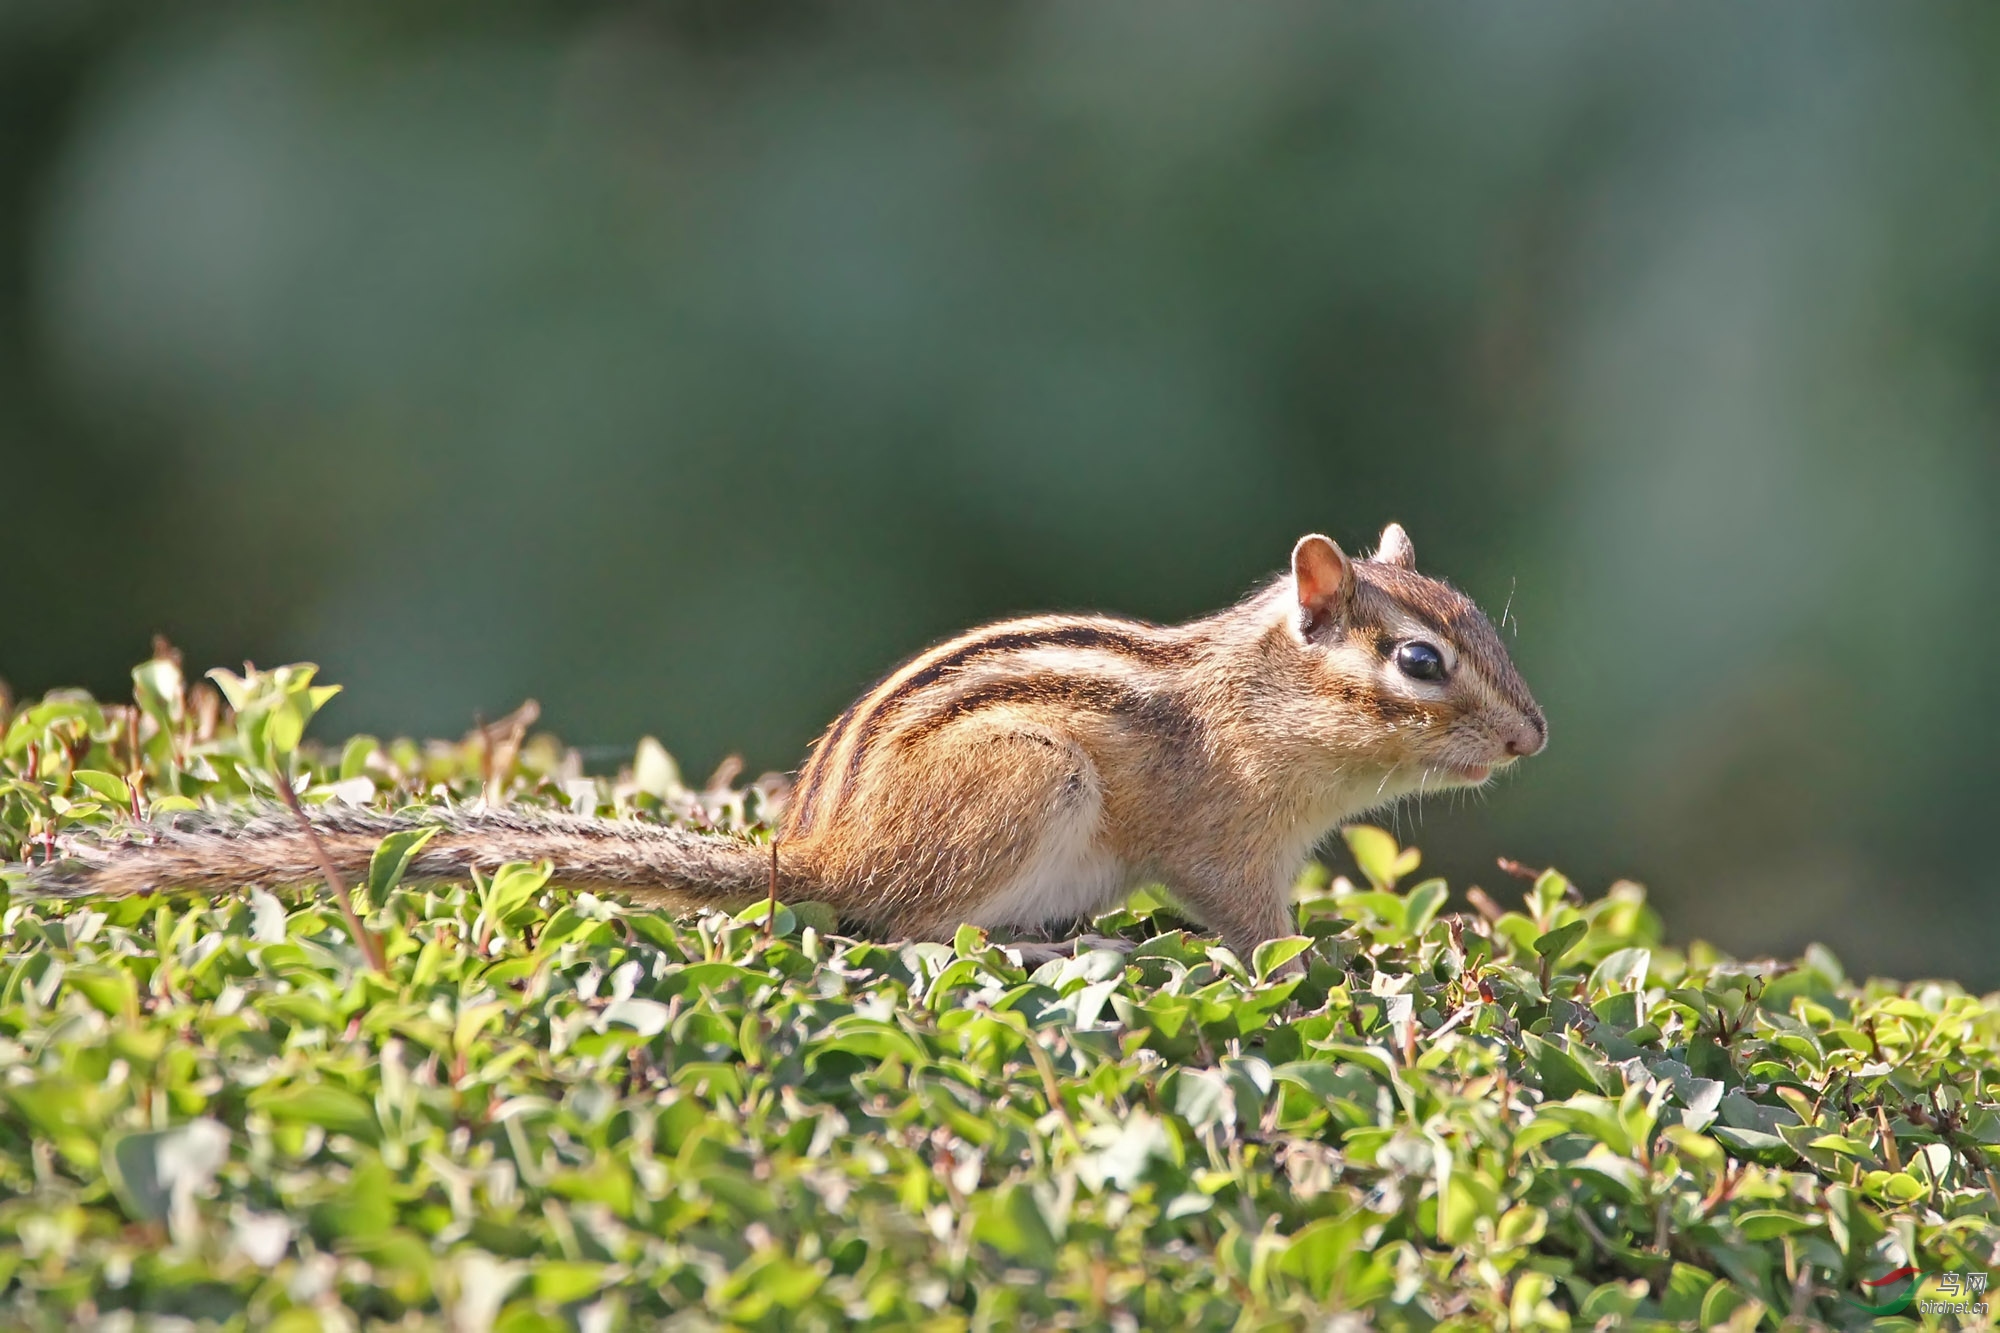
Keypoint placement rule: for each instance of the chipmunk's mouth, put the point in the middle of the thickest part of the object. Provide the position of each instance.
(1472, 774)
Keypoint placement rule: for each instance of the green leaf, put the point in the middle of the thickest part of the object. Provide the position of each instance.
(654, 770)
(285, 728)
(1686, 1288)
(157, 1172)
(816, 916)
(646, 1017)
(1274, 954)
(354, 756)
(158, 689)
(1723, 1300)
(267, 916)
(107, 785)
(1322, 1080)
(61, 1106)
(332, 1108)
(1769, 1223)
(34, 724)
(1561, 1073)
(512, 886)
(1384, 906)
(1540, 1130)
(1621, 970)
(1547, 894)
(1468, 1198)
(1754, 1143)
(1596, 1117)
(110, 990)
(1561, 940)
(566, 925)
(1322, 1252)
(1204, 1099)
(560, 1281)
(1377, 855)
(363, 1211)
(785, 922)
(1009, 1219)
(392, 858)
(1613, 1301)
(1422, 905)
(1896, 1187)
(236, 689)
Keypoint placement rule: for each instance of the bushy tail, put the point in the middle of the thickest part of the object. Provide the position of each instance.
(220, 851)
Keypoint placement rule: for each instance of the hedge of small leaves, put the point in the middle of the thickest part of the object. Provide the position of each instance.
(555, 1111)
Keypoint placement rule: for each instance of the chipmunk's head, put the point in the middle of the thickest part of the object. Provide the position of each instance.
(1413, 672)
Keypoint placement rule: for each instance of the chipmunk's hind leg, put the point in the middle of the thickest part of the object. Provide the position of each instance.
(1056, 871)
(989, 824)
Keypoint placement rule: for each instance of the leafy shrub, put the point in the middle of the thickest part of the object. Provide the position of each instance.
(552, 1111)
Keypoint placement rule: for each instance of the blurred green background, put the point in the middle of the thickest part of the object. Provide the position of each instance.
(685, 365)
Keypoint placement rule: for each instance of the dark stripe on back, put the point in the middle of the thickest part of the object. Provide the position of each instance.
(1128, 639)
(812, 781)
(1158, 712)
(799, 813)
(1086, 635)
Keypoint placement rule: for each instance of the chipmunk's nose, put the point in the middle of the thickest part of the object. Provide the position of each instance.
(1530, 734)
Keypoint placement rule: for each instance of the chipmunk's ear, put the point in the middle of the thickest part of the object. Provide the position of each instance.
(1322, 578)
(1395, 548)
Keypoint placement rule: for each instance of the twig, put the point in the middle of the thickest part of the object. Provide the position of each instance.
(370, 946)
(1465, 1011)
(501, 744)
(135, 780)
(771, 912)
(1051, 1088)
(1892, 1157)
(1582, 1218)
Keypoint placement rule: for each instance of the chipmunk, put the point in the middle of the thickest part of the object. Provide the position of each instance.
(1026, 774)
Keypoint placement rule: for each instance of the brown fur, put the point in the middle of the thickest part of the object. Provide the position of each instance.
(1028, 771)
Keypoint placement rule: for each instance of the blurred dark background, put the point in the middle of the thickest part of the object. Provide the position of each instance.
(685, 365)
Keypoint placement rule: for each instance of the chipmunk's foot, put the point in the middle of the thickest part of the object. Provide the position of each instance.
(1033, 955)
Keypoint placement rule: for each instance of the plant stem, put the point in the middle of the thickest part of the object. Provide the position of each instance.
(370, 946)
(771, 913)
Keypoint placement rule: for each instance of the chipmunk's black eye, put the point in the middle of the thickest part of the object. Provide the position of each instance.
(1420, 661)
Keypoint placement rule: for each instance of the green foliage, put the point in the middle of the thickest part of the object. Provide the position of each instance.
(555, 1111)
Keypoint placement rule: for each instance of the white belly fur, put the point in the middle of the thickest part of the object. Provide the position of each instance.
(1071, 875)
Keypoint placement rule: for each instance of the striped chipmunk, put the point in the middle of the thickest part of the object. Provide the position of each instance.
(1028, 774)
